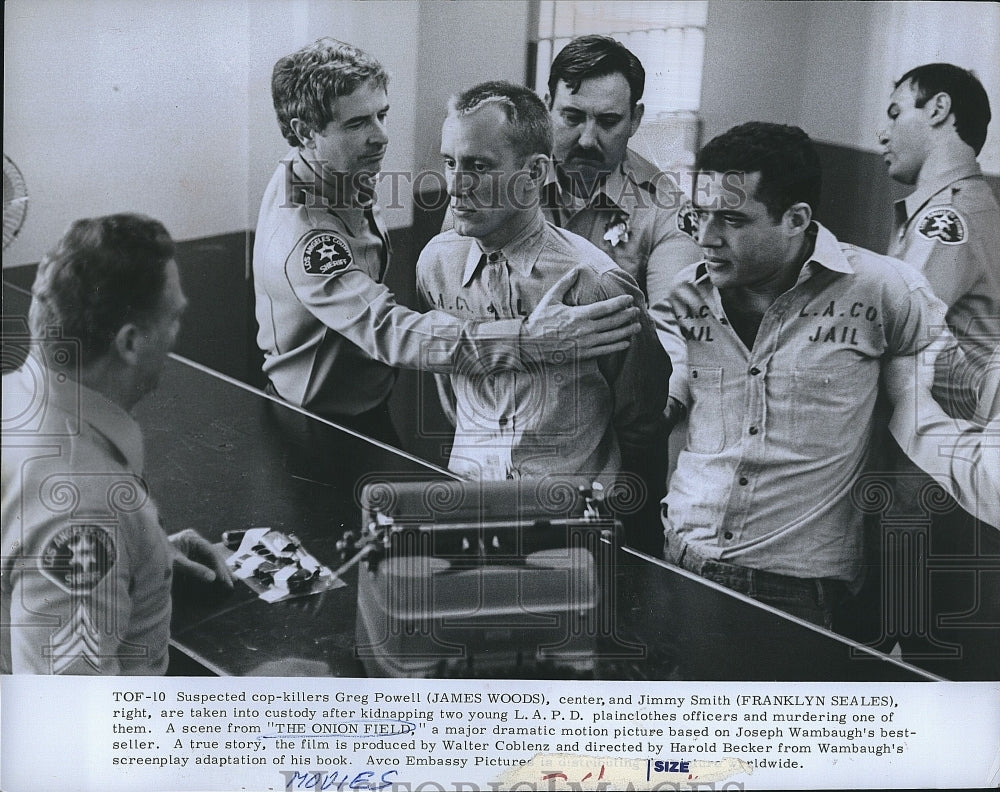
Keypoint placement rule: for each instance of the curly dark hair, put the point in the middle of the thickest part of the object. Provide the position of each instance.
(784, 156)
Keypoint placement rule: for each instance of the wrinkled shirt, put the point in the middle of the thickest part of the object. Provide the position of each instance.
(560, 419)
(949, 229)
(778, 434)
(86, 569)
(638, 216)
(330, 330)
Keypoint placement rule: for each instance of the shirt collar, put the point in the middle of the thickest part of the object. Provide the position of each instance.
(520, 253)
(826, 253)
(931, 184)
(79, 402)
(307, 177)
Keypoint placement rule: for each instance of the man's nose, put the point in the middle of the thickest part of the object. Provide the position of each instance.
(706, 233)
(459, 182)
(588, 135)
(883, 137)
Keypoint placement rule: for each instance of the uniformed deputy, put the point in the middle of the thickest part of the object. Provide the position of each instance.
(623, 204)
(329, 328)
(87, 567)
(949, 228)
(598, 187)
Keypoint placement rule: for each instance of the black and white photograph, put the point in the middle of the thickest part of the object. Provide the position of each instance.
(500, 394)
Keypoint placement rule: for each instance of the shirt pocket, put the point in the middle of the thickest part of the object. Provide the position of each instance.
(829, 406)
(706, 426)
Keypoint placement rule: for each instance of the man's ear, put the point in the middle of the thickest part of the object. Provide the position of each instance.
(303, 132)
(538, 167)
(797, 218)
(636, 119)
(939, 107)
(127, 343)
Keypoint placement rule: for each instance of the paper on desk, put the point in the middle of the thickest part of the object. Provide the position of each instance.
(266, 559)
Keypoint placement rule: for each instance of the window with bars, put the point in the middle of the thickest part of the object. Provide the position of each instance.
(669, 39)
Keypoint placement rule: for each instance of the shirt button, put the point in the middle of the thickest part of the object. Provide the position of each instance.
(728, 534)
(754, 371)
(744, 481)
(753, 430)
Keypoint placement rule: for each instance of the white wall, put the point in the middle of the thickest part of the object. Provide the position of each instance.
(113, 105)
(856, 51)
(461, 44)
(163, 106)
(754, 63)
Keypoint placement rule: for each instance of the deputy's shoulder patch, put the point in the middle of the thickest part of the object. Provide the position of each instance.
(326, 254)
(76, 558)
(687, 220)
(943, 224)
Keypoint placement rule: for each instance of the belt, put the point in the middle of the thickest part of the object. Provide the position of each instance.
(743, 579)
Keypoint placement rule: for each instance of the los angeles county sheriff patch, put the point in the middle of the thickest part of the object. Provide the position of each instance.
(78, 557)
(687, 220)
(326, 254)
(942, 225)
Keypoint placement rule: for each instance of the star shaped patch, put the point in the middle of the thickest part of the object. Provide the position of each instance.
(77, 558)
(943, 225)
(326, 254)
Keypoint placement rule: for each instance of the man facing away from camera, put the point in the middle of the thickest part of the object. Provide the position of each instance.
(949, 229)
(330, 330)
(500, 261)
(779, 337)
(87, 567)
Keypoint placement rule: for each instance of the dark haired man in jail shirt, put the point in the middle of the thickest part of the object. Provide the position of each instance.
(779, 337)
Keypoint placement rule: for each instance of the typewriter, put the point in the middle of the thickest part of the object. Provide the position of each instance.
(491, 579)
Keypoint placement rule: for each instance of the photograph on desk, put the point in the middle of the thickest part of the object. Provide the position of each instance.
(467, 342)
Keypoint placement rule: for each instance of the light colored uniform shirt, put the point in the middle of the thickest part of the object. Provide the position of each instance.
(778, 434)
(962, 456)
(86, 564)
(638, 216)
(329, 328)
(547, 418)
(949, 229)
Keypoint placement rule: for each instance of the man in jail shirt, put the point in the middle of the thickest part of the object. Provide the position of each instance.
(778, 339)
(330, 330)
(501, 260)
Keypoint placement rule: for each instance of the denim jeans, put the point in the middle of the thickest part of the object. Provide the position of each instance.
(811, 599)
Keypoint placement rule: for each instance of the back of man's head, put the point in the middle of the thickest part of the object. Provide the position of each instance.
(784, 156)
(529, 127)
(969, 103)
(587, 57)
(305, 83)
(103, 273)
